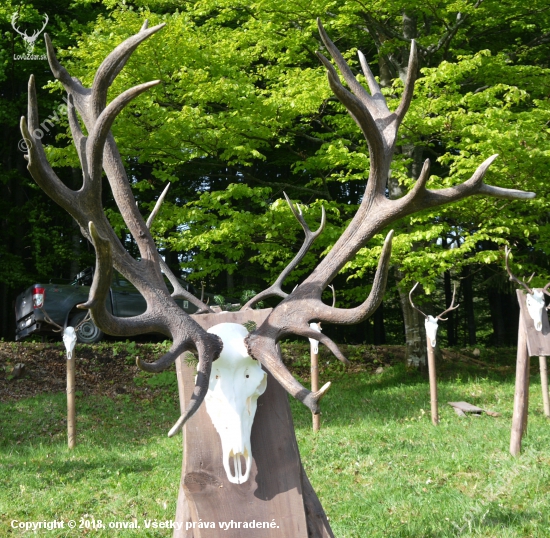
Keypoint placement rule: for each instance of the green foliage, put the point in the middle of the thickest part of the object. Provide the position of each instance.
(244, 112)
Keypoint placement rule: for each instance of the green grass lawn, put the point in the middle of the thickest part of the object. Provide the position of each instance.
(378, 465)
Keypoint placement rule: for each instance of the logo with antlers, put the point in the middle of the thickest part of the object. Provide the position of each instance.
(29, 40)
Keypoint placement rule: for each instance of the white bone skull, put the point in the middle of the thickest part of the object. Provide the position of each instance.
(314, 344)
(535, 305)
(430, 323)
(69, 339)
(236, 382)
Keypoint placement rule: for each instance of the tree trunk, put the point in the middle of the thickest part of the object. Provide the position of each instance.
(415, 333)
(504, 317)
(468, 293)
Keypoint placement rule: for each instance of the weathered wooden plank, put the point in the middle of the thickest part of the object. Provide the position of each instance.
(461, 408)
(467, 407)
(274, 489)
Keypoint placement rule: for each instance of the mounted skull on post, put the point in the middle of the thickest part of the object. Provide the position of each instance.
(534, 298)
(533, 339)
(98, 153)
(430, 323)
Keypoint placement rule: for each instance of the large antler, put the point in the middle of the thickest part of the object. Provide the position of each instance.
(379, 126)
(98, 150)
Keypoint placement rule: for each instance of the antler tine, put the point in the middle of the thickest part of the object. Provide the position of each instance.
(452, 307)
(275, 289)
(45, 22)
(86, 318)
(99, 292)
(348, 316)
(411, 301)
(545, 289)
(96, 140)
(347, 73)
(270, 358)
(78, 136)
(179, 291)
(59, 72)
(530, 278)
(333, 295)
(158, 204)
(514, 278)
(38, 163)
(409, 83)
(374, 87)
(356, 108)
(113, 64)
(297, 212)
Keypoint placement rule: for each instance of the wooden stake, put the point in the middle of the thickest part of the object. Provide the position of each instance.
(544, 385)
(71, 413)
(519, 419)
(433, 382)
(315, 386)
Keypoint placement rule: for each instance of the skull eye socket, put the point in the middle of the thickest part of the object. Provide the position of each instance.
(217, 377)
(247, 376)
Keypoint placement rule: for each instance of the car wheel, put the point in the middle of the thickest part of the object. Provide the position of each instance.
(88, 333)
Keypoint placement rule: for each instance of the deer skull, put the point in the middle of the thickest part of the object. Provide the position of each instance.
(535, 305)
(314, 344)
(430, 323)
(236, 382)
(69, 339)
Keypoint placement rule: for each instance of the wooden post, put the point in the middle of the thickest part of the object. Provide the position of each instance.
(519, 419)
(544, 384)
(315, 385)
(71, 412)
(526, 380)
(433, 382)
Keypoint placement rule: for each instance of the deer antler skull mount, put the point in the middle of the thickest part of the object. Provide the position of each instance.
(430, 322)
(534, 298)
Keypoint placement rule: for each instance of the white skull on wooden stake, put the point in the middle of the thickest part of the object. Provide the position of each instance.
(236, 382)
(314, 344)
(535, 305)
(69, 339)
(430, 323)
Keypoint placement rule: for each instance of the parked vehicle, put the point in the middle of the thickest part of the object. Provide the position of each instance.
(58, 302)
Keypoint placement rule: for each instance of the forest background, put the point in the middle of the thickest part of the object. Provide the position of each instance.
(244, 112)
